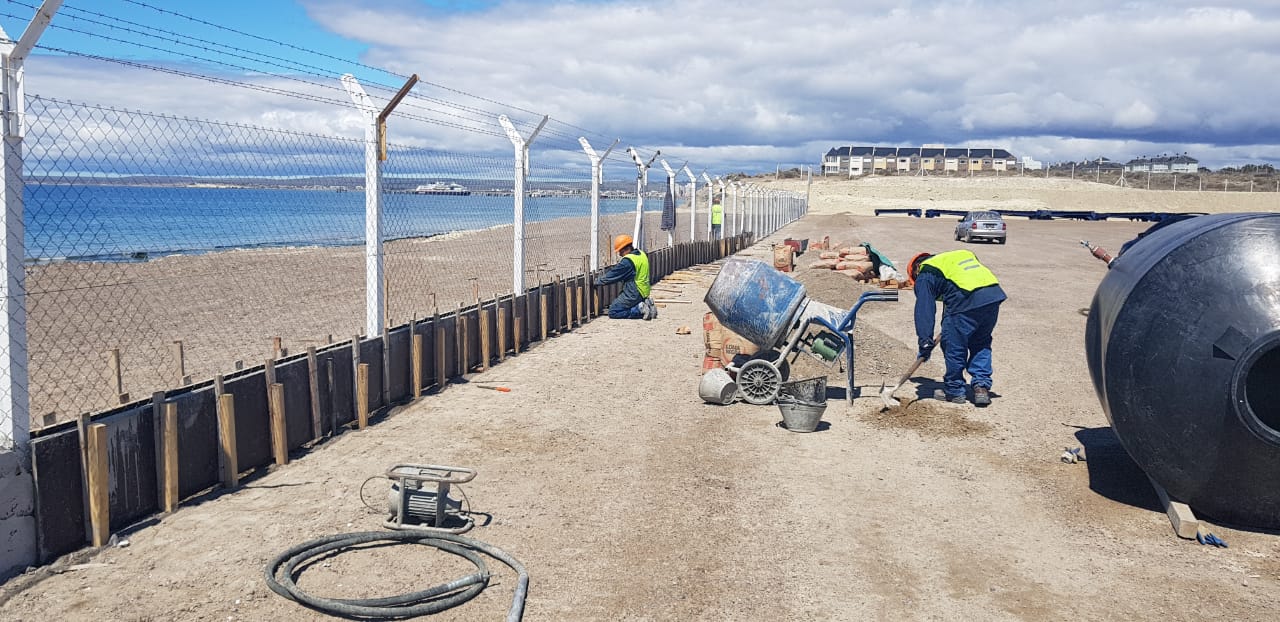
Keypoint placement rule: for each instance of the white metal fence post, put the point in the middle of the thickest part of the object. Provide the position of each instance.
(693, 202)
(373, 267)
(706, 179)
(642, 180)
(597, 178)
(17, 490)
(727, 226)
(521, 146)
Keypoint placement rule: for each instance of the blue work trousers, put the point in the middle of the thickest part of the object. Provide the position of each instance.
(627, 305)
(966, 345)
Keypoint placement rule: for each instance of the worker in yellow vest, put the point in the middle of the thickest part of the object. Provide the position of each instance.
(717, 219)
(632, 270)
(971, 298)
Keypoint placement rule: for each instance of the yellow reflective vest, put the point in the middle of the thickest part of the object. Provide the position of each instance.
(962, 268)
(641, 261)
(717, 214)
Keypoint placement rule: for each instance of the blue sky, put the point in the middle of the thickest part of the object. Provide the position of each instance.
(741, 86)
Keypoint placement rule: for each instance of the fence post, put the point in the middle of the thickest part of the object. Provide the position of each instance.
(642, 180)
(521, 146)
(597, 178)
(18, 543)
(693, 203)
(707, 180)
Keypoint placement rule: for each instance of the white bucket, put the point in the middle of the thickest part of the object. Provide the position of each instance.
(717, 387)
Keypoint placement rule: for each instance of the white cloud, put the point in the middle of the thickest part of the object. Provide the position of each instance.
(760, 79)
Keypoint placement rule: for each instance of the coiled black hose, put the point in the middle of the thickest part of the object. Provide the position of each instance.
(281, 572)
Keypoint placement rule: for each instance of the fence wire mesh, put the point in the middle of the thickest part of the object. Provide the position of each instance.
(162, 251)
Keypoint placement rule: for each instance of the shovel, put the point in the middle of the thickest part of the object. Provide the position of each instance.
(886, 392)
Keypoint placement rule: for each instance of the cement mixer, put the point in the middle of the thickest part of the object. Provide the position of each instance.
(1183, 344)
(773, 312)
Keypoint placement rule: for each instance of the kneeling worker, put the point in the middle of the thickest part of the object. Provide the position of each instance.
(971, 298)
(633, 270)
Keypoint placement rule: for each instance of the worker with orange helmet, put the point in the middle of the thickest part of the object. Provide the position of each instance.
(632, 270)
(971, 297)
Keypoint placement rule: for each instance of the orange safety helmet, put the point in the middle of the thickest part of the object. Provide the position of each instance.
(913, 267)
(620, 242)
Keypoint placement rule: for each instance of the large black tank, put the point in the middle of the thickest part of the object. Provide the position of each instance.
(1183, 342)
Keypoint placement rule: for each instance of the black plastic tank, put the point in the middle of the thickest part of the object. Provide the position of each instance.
(1183, 342)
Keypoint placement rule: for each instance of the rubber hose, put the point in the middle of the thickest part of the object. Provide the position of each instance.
(281, 571)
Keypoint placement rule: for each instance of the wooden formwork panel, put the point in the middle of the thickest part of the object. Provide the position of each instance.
(294, 375)
(400, 372)
(334, 375)
(197, 442)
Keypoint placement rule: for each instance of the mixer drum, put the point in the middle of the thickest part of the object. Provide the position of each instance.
(1183, 345)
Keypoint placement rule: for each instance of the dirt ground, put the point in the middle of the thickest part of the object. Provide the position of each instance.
(628, 498)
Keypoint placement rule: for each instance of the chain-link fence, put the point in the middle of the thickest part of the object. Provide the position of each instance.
(164, 251)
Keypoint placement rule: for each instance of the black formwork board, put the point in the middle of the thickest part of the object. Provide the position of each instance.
(60, 511)
(371, 353)
(131, 466)
(471, 340)
(253, 420)
(449, 327)
(295, 376)
(336, 379)
(520, 308)
(401, 371)
(197, 442)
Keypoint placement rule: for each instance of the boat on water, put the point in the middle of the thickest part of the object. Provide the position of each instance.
(439, 187)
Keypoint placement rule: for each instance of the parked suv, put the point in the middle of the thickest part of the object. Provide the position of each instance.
(981, 226)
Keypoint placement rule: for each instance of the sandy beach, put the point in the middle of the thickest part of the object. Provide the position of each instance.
(228, 306)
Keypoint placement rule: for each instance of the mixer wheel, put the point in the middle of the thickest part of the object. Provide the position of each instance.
(759, 382)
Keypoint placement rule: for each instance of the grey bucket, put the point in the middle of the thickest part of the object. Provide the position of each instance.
(717, 387)
(800, 416)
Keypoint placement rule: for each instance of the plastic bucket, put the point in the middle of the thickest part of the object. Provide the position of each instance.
(716, 387)
(800, 416)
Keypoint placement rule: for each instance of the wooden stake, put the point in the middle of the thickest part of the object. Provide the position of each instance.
(279, 434)
(502, 332)
(180, 357)
(362, 395)
(170, 457)
(417, 366)
(486, 350)
(275, 347)
(313, 380)
(82, 429)
(579, 310)
(568, 303)
(99, 493)
(386, 366)
(464, 358)
(117, 371)
(441, 375)
(542, 313)
(227, 439)
(355, 369)
(517, 324)
(268, 369)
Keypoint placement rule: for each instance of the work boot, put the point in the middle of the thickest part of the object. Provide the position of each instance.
(941, 396)
(646, 310)
(981, 396)
(653, 309)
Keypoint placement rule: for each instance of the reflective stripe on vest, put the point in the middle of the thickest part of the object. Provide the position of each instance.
(641, 262)
(717, 214)
(962, 268)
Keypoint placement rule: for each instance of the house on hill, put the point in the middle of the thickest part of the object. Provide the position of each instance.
(1163, 165)
(858, 160)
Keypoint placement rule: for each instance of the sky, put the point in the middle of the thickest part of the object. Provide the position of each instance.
(743, 86)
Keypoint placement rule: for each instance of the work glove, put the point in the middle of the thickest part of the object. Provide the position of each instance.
(926, 348)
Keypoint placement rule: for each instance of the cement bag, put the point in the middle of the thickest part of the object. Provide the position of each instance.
(735, 345)
(783, 257)
(829, 255)
(712, 334)
(824, 264)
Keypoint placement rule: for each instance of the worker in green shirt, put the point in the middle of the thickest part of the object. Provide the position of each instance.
(717, 218)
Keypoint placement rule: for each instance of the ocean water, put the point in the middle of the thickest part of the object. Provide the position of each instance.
(131, 223)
